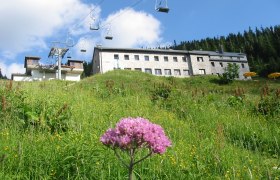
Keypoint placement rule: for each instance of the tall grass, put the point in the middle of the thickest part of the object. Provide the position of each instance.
(216, 131)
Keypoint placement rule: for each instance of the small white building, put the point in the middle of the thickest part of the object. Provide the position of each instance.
(36, 72)
(167, 62)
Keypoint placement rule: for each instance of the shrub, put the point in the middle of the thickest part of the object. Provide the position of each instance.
(161, 92)
(249, 74)
(49, 114)
(274, 75)
(269, 106)
(230, 73)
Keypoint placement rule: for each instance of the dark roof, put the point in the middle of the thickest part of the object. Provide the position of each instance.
(217, 53)
(72, 60)
(141, 50)
(170, 51)
(32, 57)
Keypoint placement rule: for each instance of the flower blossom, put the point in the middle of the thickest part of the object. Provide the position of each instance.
(133, 133)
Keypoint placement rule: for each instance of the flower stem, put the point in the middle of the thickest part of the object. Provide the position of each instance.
(119, 157)
(131, 164)
(148, 155)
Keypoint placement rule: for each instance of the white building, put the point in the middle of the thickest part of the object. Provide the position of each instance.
(37, 72)
(167, 62)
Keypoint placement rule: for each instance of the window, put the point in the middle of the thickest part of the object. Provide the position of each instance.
(186, 72)
(136, 57)
(184, 59)
(221, 64)
(202, 71)
(127, 68)
(175, 59)
(148, 70)
(199, 59)
(156, 58)
(165, 58)
(158, 71)
(34, 62)
(146, 58)
(218, 74)
(213, 64)
(72, 63)
(167, 71)
(126, 57)
(116, 56)
(221, 57)
(177, 72)
(138, 69)
(242, 65)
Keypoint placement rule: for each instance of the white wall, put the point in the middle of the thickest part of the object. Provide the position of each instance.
(103, 61)
(109, 63)
(22, 78)
(196, 66)
(72, 77)
(41, 76)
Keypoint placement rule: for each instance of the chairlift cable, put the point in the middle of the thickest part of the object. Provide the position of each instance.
(133, 5)
(92, 10)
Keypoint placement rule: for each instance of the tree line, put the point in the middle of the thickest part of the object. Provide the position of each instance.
(261, 45)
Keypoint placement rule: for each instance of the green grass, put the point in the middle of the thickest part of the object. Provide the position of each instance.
(51, 130)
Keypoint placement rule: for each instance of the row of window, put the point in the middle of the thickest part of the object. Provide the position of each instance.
(226, 57)
(166, 72)
(147, 58)
(221, 64)
(200, 59)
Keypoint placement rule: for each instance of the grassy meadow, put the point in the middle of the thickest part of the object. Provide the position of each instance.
(51, 130)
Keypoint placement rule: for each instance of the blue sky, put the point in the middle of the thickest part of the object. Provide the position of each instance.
(29, 27)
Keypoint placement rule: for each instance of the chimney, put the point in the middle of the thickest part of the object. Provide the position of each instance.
(221, 49)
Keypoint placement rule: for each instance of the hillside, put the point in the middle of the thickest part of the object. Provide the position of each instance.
(51, 130)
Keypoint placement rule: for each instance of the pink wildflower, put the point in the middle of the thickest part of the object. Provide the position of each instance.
(133, 133)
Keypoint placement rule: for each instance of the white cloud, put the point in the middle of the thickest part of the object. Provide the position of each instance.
(130, 28)
(25, 24)
(11, 68)
(85, 43)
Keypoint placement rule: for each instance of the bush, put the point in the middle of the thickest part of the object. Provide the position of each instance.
(160, 92)
(269, 106)
(230, 73)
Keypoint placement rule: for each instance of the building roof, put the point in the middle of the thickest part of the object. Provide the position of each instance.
(170, 51)
(109, 49)
(32, 57)
(73, 60)
(217, 53)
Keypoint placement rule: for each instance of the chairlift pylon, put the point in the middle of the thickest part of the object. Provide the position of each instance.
(161, 8)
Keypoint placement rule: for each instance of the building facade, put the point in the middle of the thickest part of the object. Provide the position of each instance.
(36, 72)
(167, 62)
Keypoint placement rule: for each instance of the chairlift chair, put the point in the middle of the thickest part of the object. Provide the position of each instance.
(83, 50)
(161, 8)
(94, 28)
(68, 55)
(108, 35)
